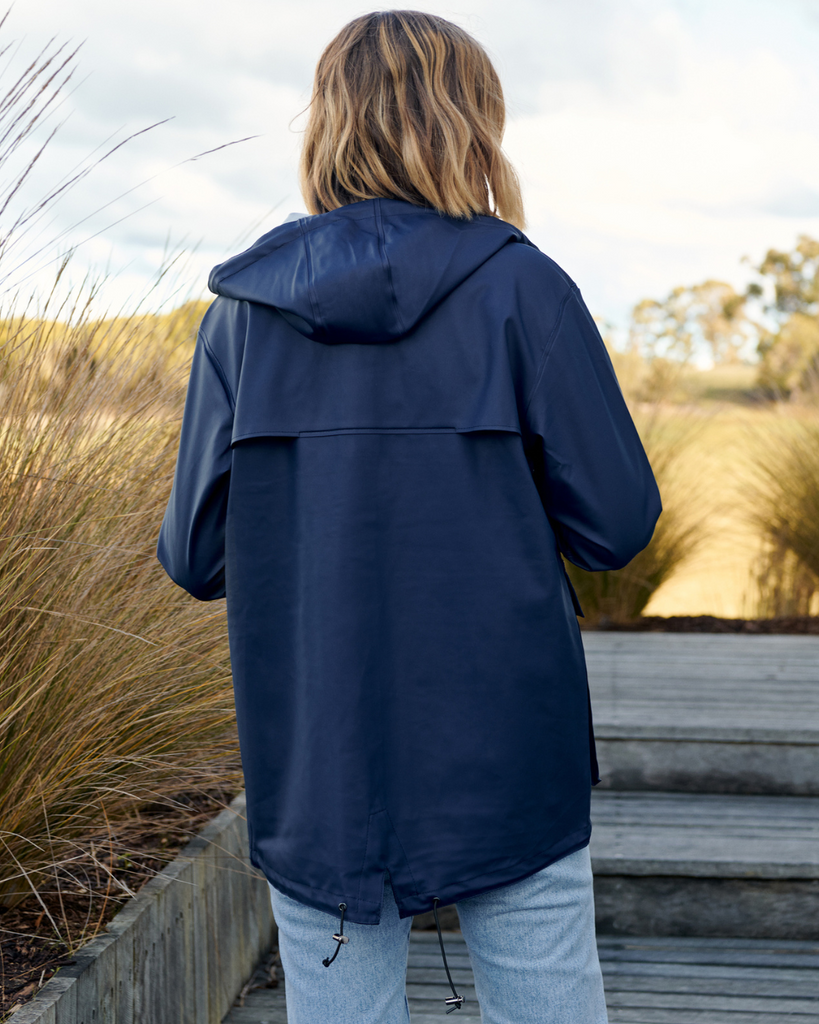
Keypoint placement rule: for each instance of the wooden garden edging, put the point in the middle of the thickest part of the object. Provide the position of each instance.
(180, 951)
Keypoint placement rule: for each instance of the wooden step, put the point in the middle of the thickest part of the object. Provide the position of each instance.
(647, 981)
(706, 864)
(709, 981)
(706, 713)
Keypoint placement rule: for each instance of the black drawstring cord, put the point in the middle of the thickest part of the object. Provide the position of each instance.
(454, 1002)
(341, 938)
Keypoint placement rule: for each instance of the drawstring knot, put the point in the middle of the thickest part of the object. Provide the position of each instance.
(454, 1002)
(340, 938)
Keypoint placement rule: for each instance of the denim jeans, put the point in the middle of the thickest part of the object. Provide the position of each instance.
(531, 943)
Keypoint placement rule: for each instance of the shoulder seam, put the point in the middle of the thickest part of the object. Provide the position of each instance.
(547, 348)
(220, 373)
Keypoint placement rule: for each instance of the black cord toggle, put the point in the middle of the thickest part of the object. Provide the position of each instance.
(341, 938)
(454, 1002)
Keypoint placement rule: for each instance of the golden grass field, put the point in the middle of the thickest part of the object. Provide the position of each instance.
(718, 578)
(727, 433)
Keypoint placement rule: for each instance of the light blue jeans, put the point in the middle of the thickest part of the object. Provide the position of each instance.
(532, 947)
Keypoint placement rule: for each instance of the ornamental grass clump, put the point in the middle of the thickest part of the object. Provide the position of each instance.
(621, 595)
(114, 685)
(784, 508)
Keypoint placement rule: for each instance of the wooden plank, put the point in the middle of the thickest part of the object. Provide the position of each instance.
(638, 681)
(619, 862)
(713, 726)
(705, 835)
(718, 1003)
(740, 958)
(745, 983)
(746, 975)
(251, 1014)
(263, 999)
(649, 679)
(787, 646)
(261, 1005)
(622, 666)
(655, 1015)
(673, 945)
(699, 682)
(679, 808)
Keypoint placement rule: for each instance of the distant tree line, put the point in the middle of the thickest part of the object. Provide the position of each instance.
(775, 319)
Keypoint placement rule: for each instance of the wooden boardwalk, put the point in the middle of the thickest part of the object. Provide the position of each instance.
(648, 981)
(706, 822)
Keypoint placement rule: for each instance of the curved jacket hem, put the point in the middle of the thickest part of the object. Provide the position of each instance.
(358, 911)
(421, 903)
(365, 912)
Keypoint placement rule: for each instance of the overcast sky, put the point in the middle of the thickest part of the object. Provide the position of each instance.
(659, 141)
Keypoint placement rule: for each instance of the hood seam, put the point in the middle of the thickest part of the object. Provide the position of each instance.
(382, 250)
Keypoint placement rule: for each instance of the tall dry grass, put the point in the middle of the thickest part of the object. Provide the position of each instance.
(784, 509)
(621, 595)
(114, 685)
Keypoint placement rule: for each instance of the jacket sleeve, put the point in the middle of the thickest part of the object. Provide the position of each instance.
(590, 467)
(191, 544)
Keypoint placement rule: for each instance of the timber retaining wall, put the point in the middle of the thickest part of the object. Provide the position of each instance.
(179, 952)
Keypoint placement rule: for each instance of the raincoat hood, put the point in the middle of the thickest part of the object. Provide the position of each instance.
(365, 273)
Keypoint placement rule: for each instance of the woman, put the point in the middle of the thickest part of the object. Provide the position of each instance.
(400, 416)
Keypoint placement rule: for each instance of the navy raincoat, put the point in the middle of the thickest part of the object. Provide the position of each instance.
(396, 424)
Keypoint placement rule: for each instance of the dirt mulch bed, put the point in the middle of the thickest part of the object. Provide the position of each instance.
(805, 625)
(37, 936)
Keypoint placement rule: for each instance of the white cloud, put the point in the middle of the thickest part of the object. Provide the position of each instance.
(643, 189)
(659, 140)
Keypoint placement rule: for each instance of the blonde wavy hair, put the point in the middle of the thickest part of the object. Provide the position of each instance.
(408, 106)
